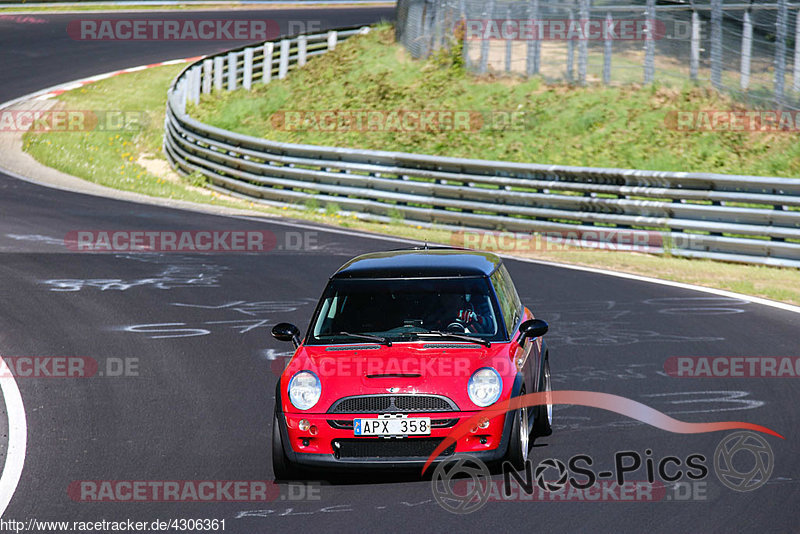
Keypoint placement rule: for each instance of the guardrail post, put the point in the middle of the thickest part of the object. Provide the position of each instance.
(302, 47)
(184, 94)
(650, 43)
(462, 23)
(716, 43)
(247, 78)
(232, 71)
(188, 85)
(571, 50)
(466, 44)
(509, 43)
(532, 63)
(747, 46)
(180, 95)
(780, 51)
(437, 21)
(796, 82)
(218, 67)
(194, 76)
(583, 44)
(484, 61)
(198, 83)
(283, 66)
(332, 38)
(607, 43)
(694, 62)
(266, 69)
(207, 75)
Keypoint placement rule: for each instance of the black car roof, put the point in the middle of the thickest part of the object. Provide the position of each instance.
(420, 263)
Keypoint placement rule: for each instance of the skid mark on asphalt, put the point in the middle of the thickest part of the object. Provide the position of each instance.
(698, 305)
(726, 401)
(171, 278)
(272, 354)
(37, 238)
(180, 330)
(252, 308)
(257, 313)
(671, 403)
(610, 330)
(588, 373)
(609, 322)
(336, 508)
(176, 272)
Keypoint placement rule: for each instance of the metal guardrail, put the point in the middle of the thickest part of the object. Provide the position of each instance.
(747, 219)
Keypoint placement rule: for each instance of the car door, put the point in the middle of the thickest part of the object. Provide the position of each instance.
(512, 310)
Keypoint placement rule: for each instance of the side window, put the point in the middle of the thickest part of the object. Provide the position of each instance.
(507, 298)
(513, 296)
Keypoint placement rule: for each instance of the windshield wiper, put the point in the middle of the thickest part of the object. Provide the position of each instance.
(379, 339)
(456, 335)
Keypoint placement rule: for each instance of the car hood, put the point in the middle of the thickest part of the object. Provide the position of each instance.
(432, 367)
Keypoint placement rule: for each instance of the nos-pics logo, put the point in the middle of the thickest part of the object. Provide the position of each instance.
(743, 461)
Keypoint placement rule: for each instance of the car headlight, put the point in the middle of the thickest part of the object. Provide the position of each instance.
(484, 386)
(304, 390)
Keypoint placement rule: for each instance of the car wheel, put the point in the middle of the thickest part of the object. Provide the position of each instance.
(282, 467)
(544, 414)
(520, 438)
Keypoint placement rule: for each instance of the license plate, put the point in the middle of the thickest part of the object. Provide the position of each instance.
(392, 426)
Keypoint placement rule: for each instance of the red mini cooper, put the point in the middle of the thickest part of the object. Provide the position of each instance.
(403, 346)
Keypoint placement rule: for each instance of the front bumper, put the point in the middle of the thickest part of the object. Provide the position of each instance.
(330, 443)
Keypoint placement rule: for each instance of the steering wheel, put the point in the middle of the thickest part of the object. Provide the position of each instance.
(459, 327)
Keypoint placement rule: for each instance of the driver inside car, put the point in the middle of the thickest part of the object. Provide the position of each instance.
(474, 315)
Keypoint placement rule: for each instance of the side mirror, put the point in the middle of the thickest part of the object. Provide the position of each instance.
(531, 328)
(286, 332)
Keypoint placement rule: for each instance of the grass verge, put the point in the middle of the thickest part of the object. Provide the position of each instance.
(132, 160)
(601, 126)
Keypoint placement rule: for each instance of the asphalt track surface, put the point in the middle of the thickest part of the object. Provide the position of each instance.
(201, 407)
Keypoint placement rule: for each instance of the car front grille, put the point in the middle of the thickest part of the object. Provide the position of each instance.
(393, 404)
(345, 424)
(388, 448)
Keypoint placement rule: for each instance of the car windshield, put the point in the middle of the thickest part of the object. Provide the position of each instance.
(406, 310)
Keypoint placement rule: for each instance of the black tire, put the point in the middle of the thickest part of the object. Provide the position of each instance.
(542, 425)
(519, 444)
(282, 467)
